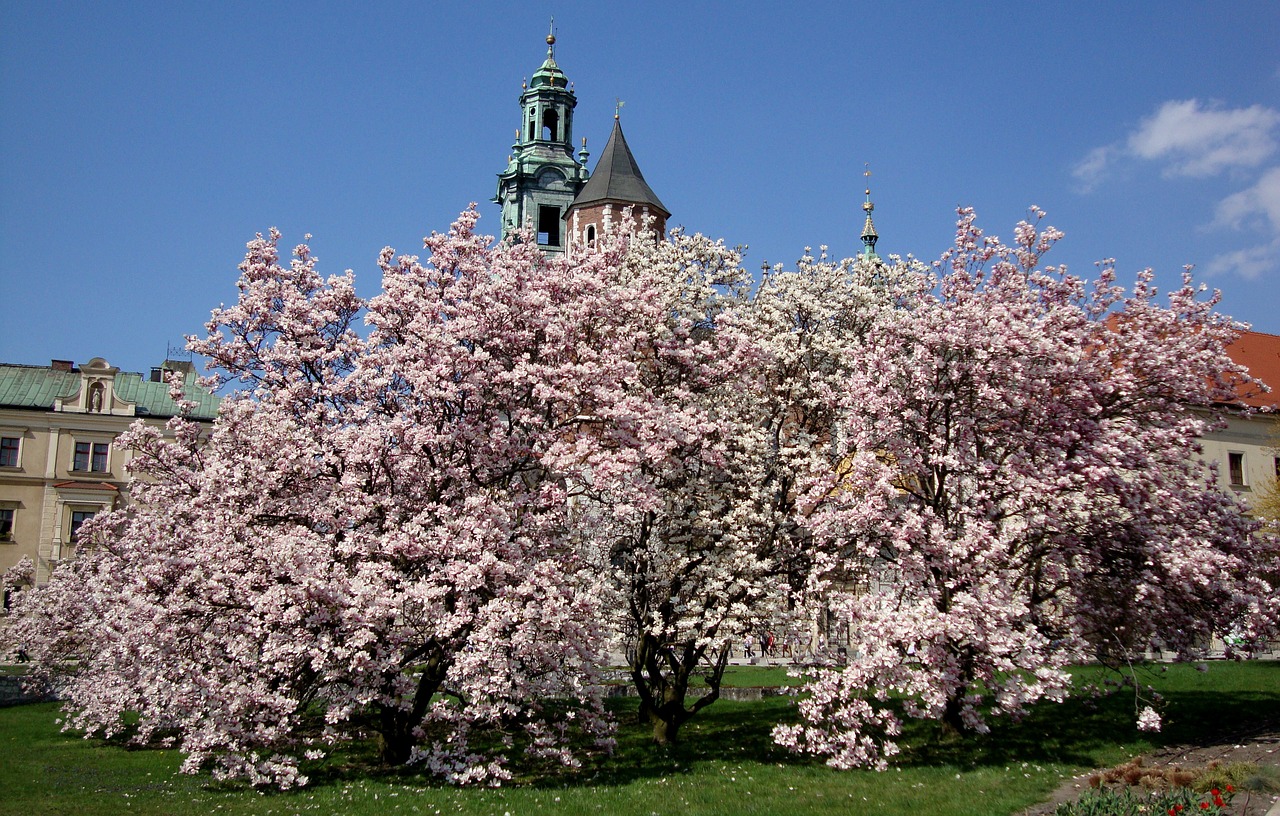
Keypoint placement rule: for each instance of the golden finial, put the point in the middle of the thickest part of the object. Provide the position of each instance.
(866, 172)
(551, 33)
(617, 107)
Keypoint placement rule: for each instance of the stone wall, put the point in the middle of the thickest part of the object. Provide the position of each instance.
(726, 692)
(12, 693)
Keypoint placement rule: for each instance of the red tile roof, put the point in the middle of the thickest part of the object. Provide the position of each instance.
(1260, 353)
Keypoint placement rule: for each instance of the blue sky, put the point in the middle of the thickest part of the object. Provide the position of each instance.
(142, 144)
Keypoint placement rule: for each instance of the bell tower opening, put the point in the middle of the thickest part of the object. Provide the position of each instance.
(548, 226)
(549, 122)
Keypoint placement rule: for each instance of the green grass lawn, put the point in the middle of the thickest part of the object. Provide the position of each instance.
(726, 764)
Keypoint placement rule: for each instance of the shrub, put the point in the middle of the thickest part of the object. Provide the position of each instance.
(1131, 801)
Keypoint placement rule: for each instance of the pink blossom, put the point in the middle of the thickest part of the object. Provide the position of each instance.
(1148, 720)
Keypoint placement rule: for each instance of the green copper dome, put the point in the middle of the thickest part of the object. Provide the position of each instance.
(550, 74)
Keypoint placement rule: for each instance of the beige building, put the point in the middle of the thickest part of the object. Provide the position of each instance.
(1246, 449)
(59, 464)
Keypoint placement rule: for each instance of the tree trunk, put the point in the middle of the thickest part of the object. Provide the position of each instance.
(662, 682)
(396, 735)
(666, 725)
(396, 724)
(952, 722)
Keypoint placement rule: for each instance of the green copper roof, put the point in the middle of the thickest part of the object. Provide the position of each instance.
(35, 386)
(617, 177)
(38, 387)
(550, 73)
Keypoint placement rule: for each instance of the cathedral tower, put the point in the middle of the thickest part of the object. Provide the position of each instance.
(542, 176)
(616, 184)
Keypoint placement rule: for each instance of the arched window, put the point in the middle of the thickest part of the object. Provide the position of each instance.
(550, 120)
(591, 235)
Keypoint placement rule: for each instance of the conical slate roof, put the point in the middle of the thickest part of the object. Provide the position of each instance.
(617, 178)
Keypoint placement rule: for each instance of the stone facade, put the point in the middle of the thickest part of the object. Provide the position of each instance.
(58, 462)
(1247, 450)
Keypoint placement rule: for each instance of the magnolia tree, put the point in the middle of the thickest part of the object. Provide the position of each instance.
(15, 579)
(432, 531)
(729, 408)
(684, 579)
(376, 536)
(1028, 490)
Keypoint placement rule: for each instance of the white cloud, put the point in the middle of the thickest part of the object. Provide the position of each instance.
(1254, 206)
(1257, 207)
(1251, 263)
(1092, 169)
(1205, 140)
(1191, 139)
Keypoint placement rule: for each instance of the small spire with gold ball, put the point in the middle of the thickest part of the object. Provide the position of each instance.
(869, 236)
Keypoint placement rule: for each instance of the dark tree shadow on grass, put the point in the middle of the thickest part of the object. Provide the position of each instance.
(1077, 732)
